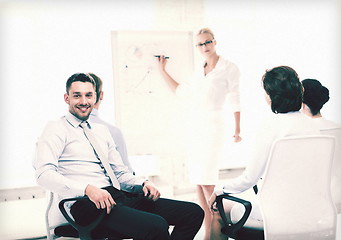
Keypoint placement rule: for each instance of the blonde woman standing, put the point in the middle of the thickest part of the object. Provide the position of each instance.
(212, 82)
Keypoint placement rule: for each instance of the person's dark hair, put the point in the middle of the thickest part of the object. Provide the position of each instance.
(79, 77)
(283, 86)
(99, 85)
(315, 95)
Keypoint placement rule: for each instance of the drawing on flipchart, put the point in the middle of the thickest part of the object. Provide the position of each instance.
(147, 110)
(139, 68)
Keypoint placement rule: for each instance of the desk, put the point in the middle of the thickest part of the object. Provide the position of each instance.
(22, 212)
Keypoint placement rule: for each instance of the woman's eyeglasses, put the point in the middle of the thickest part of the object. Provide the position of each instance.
(205, 43)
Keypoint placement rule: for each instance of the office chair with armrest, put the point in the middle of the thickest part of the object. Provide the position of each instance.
(336, 174)
(295, 198)
(238, 230)
(336, 170)
(73, 229)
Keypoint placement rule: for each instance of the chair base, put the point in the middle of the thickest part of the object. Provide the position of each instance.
(250, 233)
(69, 231)
(246, 233)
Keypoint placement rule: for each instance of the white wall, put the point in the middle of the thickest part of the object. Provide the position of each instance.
(259, 35)
(44, 42)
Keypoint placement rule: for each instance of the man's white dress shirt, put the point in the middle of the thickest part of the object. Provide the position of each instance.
(116, 135)
(65, 162)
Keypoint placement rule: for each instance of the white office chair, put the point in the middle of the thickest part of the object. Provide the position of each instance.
(336, 171)
(336, 175)
(295, 198)
(49, 229)
(73, 230)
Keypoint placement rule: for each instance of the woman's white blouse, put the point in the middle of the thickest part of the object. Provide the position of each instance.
(209, 93)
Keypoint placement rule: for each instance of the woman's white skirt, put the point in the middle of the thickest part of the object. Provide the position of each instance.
(205, 139)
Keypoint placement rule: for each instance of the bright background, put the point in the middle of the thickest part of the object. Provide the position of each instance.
(45, 42)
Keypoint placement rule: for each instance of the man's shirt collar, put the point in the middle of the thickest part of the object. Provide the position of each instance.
(74, 121)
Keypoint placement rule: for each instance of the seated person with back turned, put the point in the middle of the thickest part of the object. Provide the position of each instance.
(283, 92)
(314, 97)
(76, 157)
(114, 131)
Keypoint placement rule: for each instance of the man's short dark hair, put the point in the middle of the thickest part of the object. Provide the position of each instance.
(79, 77)
(283, 86)
(99, 84)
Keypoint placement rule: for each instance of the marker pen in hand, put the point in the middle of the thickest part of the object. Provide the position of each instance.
(158, 56)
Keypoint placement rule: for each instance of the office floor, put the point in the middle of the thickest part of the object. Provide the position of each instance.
(187, 193)
(25, 208)
(35, 229)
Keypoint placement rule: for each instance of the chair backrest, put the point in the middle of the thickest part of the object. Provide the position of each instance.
(51, 209)
(49, 229)
(336, 170)
(295, 198)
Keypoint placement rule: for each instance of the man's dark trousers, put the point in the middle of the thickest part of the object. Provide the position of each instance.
(136, 217)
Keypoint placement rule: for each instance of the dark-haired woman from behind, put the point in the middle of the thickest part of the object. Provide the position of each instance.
(314, 97)
(284, 93)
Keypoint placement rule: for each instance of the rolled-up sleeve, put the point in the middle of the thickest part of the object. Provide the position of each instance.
(259, 156)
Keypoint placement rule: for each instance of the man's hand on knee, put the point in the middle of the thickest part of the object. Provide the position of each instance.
(150, 191)
(101, 198)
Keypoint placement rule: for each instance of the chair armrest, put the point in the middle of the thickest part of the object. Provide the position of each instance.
(84, 231)
(255, 189)
(230, 229)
